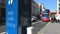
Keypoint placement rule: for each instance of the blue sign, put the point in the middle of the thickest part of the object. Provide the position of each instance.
(11, 16)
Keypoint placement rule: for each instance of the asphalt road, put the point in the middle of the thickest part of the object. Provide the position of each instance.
(37, 26)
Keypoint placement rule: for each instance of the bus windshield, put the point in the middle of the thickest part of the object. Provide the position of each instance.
(45, 15)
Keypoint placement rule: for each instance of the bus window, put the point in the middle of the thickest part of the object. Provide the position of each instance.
(45, 15)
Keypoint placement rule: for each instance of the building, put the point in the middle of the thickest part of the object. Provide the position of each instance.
(58, 6)
(2, 3)
(35, 8)
(41, 8)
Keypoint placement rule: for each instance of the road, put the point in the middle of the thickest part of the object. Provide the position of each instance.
(37, 26)
(51, 28)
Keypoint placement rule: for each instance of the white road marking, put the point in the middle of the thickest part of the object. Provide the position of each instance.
(35, 22)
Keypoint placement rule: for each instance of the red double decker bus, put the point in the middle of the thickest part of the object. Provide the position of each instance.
(46, 15)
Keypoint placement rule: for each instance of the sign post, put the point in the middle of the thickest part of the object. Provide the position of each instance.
(18, 16)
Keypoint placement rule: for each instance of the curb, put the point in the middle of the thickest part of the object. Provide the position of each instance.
(3, 33)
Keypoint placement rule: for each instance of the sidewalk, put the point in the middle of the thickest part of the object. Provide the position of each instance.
(3, 33)
(43, 29)
(2, 28)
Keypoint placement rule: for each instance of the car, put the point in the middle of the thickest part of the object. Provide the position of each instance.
(33, 18)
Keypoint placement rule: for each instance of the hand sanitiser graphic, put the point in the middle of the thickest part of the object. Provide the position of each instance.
(10, 2)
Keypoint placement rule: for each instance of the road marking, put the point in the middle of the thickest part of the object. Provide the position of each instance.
(3, 33)
(35, 22)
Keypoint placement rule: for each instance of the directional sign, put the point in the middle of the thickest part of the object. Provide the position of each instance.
(11, 16)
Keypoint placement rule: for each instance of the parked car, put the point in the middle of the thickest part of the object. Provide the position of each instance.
(33, 18)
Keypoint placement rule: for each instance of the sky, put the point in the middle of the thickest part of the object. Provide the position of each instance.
(49, 4)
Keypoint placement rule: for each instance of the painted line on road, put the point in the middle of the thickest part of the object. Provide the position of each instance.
(3, 33)
(35, 22)
(43, 29)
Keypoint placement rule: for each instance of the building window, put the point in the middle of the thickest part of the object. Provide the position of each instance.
(59, 0)
(59, 4)
(40, 9)
(59, 8)
(59, 12)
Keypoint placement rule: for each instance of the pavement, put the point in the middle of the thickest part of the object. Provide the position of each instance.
(50, 28)
(2, 28)
(2, 33)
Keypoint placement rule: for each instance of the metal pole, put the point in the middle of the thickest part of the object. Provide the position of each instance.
(24, 30)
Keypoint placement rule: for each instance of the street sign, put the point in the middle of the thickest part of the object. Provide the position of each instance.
(11, 16)
(18, 15)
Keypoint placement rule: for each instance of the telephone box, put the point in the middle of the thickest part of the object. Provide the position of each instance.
(18, 15)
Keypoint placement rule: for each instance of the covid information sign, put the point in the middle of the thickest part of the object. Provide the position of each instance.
(18, 15)
(11, 16)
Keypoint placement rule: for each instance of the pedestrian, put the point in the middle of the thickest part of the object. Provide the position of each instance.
(55, 19)
(52, 19)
